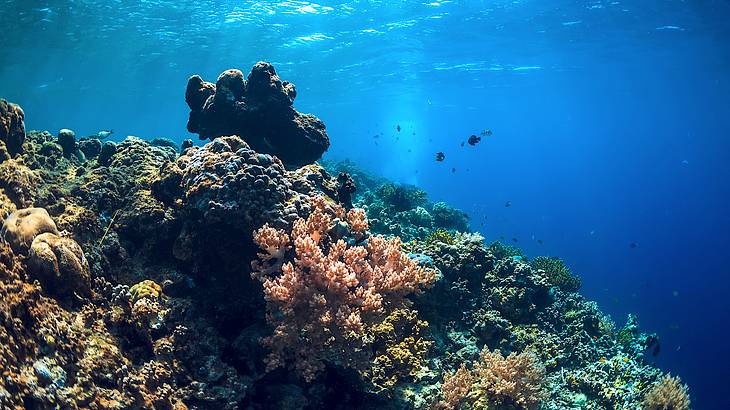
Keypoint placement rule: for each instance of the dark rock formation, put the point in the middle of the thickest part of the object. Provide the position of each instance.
(259, 110)
(12, 127)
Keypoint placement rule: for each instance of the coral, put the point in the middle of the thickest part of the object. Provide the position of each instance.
(60, 265)
(12, 128)
(91, 147)
(558, 274)
(401, 347)
(17, 185)
(259, 109)
(501, 251)
(441, 235)
(336, 293)
(667, 394)
(145, 289)
(22, 226)
(401, 197)
(444, 216)
(497, 381)
(67, 141)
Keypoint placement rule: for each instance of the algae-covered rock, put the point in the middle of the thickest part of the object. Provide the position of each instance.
(23, 225)
(91, 147)
(60, 265)
(12, 127)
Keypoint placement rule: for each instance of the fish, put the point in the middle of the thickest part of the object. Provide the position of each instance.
(376, 136)
(514, 239)
(539, 241)
(633, 245)
(486, 133)
(104, 134)
(473, 140)
(398, 127)
(462, 143)
(453, 169)
(440, 156)
(508, 204)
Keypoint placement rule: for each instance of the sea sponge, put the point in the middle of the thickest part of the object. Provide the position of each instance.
(60, 265)
(23, 225)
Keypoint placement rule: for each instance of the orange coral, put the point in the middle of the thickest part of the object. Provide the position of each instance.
(323, 303)
(517, 379)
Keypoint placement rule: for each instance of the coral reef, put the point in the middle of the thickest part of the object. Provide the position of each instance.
(260, 110)
(134, 275)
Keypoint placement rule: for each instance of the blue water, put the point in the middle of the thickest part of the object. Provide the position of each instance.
(610, 120)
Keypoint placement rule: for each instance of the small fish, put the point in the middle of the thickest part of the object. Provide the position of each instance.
(462, 143)
(376, 136)
(409, 150)
(440, 156)
(508, 204)
(104, 134)
(675, 293)
(656, 350)
(514, 239)
(487, 133)
(481, 224)
(539, 241)
(398, 127)
(453, 170)
(473, 140)
(685, 162)
(633, 245)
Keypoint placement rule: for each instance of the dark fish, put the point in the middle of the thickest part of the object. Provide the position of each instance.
(481, 224)
(514, 239)
(440, 156)
(462, 144)
(453, 169)
(501, 238)
(473, 140)
(508, 204)
(376, 136)
(409, 150)
(398, 127)
(539, 241)
(487, 133)
(633, 245)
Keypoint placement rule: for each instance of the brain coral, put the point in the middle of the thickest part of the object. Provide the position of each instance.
(60, 265)
(23, 225)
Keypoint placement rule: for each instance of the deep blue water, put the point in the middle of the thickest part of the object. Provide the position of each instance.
(610, 120)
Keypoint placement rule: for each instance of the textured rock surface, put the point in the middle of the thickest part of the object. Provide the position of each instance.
(60, 265)
(260, 110)
(12, 128)
(23, 225)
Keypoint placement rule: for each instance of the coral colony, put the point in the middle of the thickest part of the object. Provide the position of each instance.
(244, 275)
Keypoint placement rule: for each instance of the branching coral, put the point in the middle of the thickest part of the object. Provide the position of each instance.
(325, 303)
(497, 381)
(668, 394)
(558, 274)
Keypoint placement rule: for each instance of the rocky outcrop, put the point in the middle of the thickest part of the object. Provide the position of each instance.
(260, 110)
(12, 129)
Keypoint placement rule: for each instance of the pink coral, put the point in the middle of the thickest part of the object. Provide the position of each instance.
(324, 302)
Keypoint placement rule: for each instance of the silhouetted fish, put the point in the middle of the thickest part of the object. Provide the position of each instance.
(539, 241)
(633, 245)
(462, 143)
(104, 134)
(473, 140)
(508, 204)
(514, 239)
(398, 127)
(453, 169)
(440, 156)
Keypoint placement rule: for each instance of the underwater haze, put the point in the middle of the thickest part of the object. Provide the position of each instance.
(604, 125)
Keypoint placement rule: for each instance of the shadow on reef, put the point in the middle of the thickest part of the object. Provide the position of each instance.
(143, 275)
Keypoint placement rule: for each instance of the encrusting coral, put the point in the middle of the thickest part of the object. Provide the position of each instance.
(337, 289)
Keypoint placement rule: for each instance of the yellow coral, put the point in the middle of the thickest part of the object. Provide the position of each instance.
(145, 289)
(668, 394)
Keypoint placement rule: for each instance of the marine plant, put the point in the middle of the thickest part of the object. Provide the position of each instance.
(399, 198)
